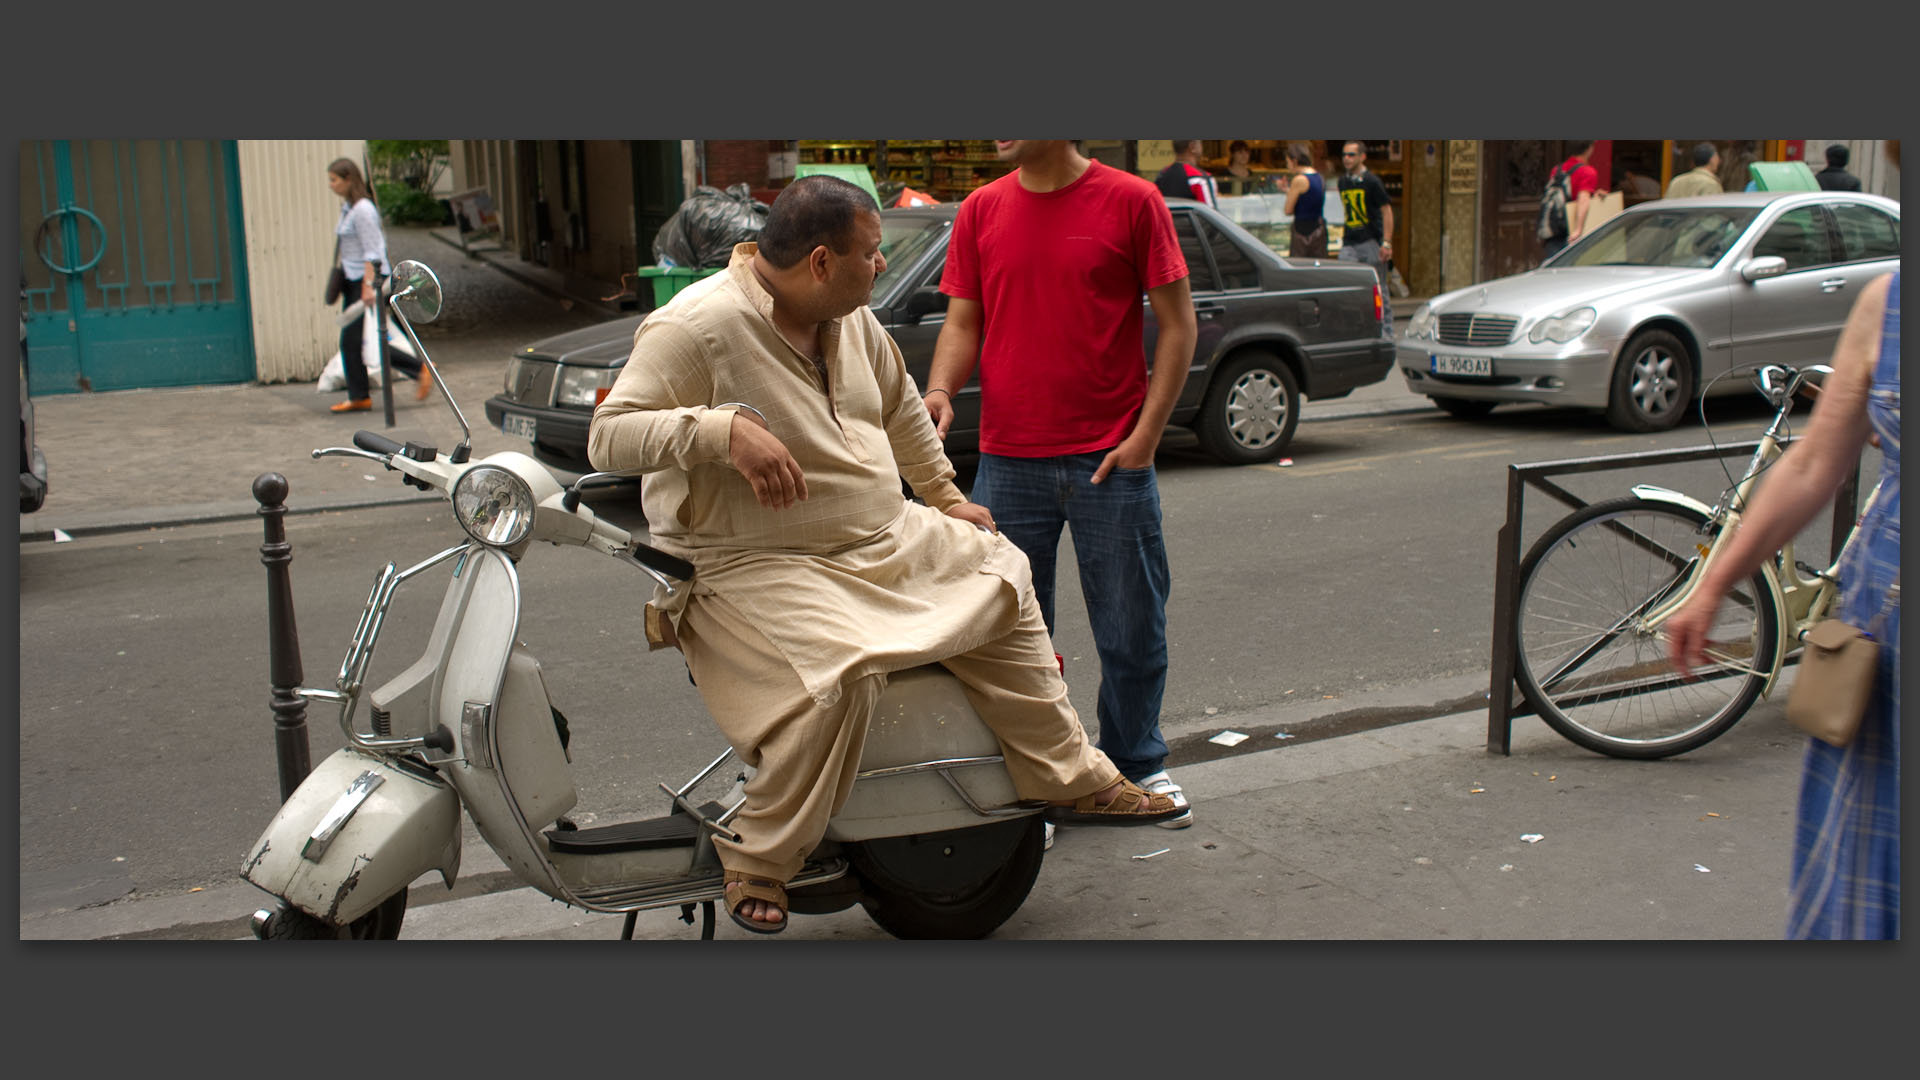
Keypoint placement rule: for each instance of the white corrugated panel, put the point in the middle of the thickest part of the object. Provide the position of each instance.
(289, 215)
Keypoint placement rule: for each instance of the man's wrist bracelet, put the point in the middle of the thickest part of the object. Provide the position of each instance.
(940, 390)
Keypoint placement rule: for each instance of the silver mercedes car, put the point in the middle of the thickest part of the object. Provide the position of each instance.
(1644, 314)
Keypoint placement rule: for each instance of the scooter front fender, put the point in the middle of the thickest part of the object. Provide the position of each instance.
(357, 830)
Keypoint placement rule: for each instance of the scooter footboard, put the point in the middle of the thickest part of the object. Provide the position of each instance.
(357, 830)
(923, 719)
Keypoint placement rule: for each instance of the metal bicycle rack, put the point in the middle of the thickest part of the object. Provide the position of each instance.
(1503, 698)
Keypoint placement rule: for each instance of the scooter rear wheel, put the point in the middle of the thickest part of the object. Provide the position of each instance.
(959, 885)
(380, 924)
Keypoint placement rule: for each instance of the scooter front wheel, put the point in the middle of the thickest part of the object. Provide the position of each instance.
(380, 924)
(960, 884)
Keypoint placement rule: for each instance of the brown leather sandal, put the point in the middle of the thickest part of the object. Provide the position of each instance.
(1132, 806)
(752, 888)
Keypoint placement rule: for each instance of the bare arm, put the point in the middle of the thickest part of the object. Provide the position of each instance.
(1578, 218)
(1801, 482)
(955, 354)
(1295, 188)
(1172, 357)
(1386, 236)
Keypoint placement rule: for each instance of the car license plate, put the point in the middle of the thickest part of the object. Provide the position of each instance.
(522, 426)
(1461, 365)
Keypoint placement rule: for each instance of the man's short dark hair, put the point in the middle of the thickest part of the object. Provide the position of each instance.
(1576, 147)
(1237, 145)
(1703, 152)
(811, 212)
(1838, 156)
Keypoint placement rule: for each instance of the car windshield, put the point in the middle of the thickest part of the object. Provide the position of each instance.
(1679, 236)
(903, 240)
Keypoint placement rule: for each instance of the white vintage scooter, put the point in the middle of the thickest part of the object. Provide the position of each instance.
(933, 840)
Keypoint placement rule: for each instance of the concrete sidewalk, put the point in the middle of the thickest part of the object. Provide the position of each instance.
(1402, 833)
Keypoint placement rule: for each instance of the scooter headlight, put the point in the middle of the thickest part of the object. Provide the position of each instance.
(493, 505)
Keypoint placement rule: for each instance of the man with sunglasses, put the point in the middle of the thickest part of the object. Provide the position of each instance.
(1369, 230)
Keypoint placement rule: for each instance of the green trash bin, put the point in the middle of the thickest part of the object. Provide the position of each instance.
(668, 280)
(1782, 176)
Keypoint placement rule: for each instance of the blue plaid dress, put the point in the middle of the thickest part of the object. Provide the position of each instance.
(1846, 845)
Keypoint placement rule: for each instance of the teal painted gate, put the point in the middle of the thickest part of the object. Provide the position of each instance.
(133, 263)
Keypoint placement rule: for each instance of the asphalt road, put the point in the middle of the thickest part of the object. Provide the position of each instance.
(1362, 573)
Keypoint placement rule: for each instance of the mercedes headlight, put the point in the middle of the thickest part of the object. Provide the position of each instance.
(1563, 328)
(1422, 322)
(584, 386)
(493, 505)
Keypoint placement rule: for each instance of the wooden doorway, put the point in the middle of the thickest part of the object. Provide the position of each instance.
(1513, 173)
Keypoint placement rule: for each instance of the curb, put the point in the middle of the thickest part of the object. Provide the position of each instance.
(162, 520)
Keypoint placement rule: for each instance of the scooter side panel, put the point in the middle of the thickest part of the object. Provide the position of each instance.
(406, 826)
(923, 715)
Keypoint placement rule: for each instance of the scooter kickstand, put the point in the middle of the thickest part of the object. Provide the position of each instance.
(686, 916)
(626, 932)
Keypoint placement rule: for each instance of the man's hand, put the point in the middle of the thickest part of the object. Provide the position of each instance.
(939, 405)
(1134, 452)
(975, 513)
(764, 460)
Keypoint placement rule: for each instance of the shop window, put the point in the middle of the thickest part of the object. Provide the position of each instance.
(1236, 267)
(1199, 269)
(1866, 233)
(1800, 237)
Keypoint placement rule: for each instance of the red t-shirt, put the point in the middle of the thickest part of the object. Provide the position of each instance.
(1584, 177)
(1059, 277)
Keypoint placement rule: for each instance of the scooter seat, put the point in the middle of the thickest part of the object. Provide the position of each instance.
(674, 830)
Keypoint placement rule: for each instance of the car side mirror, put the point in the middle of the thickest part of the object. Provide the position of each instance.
(925, 302)
(1763, 267)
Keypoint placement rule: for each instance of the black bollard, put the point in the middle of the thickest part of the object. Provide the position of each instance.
(283, 641)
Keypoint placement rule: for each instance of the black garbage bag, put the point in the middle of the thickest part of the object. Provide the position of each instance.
(701, 234)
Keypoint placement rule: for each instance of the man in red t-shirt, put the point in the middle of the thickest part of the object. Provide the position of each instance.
(1045, 271)
(1582, 181)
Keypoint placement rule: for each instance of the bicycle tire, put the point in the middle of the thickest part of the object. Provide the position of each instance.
(1606, 684)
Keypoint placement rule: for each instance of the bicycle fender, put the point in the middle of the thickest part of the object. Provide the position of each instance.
(1768, 571)
(1667, 495)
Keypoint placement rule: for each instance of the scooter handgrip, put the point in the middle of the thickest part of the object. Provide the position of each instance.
(375, 442)
(663, 562)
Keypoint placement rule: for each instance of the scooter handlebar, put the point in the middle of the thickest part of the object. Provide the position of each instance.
(376, 442)
(663, 562)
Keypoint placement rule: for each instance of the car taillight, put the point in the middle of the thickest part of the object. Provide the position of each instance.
(1379, 305)
(1061, 661)
(600, 395)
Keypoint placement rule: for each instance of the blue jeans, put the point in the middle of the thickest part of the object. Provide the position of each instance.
(1123, 574)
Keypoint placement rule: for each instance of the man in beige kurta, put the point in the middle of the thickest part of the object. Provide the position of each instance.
(775, 417)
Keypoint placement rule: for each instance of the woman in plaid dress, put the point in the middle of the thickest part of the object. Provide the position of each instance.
(1846, 850)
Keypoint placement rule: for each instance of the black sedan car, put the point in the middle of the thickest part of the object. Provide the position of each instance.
(1271, 330)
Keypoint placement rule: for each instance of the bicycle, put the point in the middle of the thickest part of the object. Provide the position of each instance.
(1595, 588)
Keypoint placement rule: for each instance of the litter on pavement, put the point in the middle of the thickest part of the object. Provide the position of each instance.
(1532, 837)
(60, 536)
(1228, 738)
(1702, 869)
(1151, 854)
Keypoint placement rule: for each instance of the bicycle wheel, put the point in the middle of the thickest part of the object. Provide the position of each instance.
(1586, 662)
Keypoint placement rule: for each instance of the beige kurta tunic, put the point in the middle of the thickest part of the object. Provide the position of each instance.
(856, 579)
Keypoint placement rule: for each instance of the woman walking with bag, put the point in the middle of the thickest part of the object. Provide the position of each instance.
(1846, 845)
(363, 262)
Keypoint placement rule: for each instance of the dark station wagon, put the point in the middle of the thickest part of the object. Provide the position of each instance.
(1271, 330)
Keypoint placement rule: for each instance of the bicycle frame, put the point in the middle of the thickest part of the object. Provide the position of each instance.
(1798, 601)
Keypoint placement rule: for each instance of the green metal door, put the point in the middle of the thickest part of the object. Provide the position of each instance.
(133, 264)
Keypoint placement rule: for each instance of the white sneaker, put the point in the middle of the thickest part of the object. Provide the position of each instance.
(1162, 784)
(1048, 846)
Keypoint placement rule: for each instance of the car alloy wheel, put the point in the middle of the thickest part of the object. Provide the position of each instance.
(1653, 383)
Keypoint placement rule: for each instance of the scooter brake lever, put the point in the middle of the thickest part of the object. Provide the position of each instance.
(350, 451)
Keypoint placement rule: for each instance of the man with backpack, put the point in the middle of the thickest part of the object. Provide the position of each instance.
(1563, 209)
